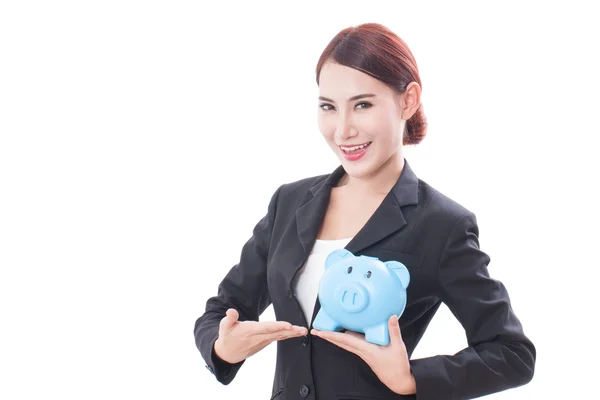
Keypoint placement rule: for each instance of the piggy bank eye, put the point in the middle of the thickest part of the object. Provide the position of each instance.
(368, 274)
(349, 269)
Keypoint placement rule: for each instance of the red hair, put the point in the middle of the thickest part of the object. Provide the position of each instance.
(377, 51)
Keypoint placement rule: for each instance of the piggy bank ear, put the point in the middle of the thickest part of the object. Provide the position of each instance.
(336, 256)
(399, 269)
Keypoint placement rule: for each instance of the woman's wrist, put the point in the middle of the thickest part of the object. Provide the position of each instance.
(217, 358)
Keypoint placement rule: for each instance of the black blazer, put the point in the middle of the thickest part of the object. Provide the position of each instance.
(435, 237)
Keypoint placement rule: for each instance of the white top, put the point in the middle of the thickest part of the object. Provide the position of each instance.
(306, 282)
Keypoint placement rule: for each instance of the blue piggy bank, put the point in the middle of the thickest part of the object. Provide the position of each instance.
(360, 294)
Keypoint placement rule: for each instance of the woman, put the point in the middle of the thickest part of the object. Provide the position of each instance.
(372, 204)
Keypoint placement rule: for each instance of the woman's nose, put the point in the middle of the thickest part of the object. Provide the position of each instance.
(344, 130)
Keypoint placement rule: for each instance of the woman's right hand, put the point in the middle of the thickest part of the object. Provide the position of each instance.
(239, 340)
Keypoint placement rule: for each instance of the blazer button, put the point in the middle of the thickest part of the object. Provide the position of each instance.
(305, 341)
(290, 294)
(304, 391)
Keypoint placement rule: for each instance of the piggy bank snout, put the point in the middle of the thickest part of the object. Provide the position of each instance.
(352, 296)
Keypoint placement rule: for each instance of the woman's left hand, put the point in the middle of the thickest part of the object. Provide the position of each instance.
(390, 363)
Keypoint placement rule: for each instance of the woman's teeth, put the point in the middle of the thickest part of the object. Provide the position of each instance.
(354, 149)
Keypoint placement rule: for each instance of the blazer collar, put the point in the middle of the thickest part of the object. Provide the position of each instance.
(387, 218)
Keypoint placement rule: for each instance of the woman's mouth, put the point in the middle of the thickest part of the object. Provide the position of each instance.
(353, 153)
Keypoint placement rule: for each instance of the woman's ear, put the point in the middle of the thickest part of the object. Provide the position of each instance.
(409, 101)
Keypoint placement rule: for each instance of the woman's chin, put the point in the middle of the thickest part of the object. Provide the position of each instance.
(355, 170)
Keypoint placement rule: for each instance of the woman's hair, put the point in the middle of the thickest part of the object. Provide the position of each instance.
(375, 50)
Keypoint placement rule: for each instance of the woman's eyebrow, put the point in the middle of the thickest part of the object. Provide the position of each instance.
(359, 96)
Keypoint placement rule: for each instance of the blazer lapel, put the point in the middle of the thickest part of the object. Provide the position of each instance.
(387, 218)
(309, 217)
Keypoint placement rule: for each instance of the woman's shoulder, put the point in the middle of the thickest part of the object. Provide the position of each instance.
(304, 184)
(295, 190)
(440, 205)
(433, 203)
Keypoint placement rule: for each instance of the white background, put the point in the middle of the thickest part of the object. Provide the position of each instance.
(140, 142)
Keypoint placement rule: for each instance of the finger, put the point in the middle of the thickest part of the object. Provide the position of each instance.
(302, 330)
(232, 313)
(395, 334)
(231, 316)
(272, 327)
(357, 343)
(335, 340)
(283, 335)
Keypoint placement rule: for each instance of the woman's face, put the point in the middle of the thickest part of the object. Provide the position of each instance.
(346, 121)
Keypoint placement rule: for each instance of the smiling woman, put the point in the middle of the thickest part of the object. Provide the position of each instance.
(368, 129)
(374, 205)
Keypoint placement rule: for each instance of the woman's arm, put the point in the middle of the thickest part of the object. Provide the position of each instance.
(243, 288)
(499, 355)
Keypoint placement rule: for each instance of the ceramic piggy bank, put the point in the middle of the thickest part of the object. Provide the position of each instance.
(360, 294)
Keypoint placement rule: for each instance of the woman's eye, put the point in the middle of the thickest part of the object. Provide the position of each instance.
(329, 107)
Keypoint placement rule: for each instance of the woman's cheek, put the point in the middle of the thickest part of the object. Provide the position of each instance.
(326, 129)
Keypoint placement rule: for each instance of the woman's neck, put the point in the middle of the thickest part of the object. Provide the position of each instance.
(378, 183)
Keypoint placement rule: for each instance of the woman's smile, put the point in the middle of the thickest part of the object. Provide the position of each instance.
(354, 153)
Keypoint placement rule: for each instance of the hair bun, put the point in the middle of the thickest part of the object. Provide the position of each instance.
(416, 127)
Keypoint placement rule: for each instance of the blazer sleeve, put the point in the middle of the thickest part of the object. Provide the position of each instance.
(244, 288)
(499, 355)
